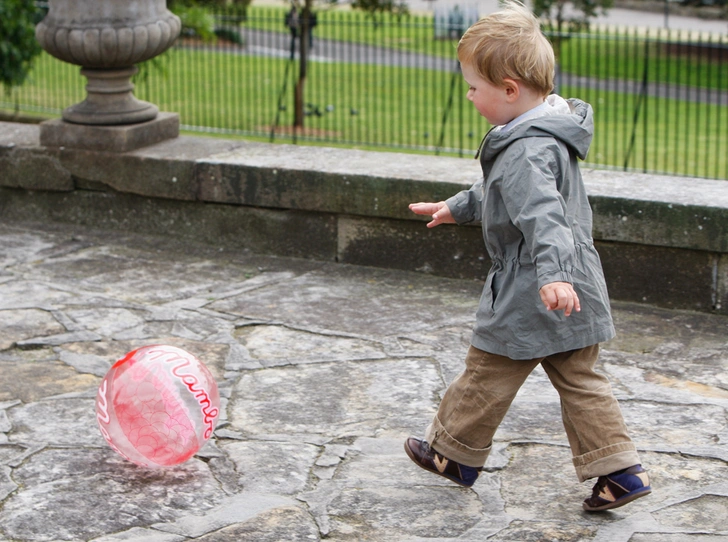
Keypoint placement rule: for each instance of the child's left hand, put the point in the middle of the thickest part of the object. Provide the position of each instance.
(560, 296)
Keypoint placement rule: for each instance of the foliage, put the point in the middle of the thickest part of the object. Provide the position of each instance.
(196, 21)
(198, 18)
(374, 7)
(230, 34)
(237, 6)
(574, 14)
(158, 65)
(18, 47)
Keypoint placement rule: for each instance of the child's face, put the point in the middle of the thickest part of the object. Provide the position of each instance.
(489, 100)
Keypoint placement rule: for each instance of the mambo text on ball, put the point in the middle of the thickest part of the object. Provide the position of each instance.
(157, 405)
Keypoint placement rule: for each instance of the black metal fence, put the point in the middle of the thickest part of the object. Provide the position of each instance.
(660, 98)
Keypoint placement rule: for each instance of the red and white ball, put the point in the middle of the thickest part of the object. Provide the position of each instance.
(157, 406)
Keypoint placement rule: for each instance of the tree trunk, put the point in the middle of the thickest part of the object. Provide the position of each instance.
(302, 66)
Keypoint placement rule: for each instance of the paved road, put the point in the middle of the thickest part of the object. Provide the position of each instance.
(277, 44)
(259, 42)
(324, 369)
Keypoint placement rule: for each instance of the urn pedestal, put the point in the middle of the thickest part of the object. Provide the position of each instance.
(107, 38)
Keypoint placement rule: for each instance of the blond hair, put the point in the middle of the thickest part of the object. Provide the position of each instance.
(509, 44)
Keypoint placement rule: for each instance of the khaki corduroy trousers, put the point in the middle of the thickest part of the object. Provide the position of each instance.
(477, 401)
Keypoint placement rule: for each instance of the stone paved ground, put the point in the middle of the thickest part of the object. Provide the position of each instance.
(324, 370)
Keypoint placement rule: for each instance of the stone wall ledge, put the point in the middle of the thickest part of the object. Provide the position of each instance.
(663, 240)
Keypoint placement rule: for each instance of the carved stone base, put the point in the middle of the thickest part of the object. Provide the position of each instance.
(121, 138)
(110, 99)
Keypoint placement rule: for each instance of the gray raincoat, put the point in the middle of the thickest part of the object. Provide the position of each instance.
(537, 225)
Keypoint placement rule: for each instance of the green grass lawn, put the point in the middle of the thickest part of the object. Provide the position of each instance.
(384, 107)
(627, 56)
(678, 137)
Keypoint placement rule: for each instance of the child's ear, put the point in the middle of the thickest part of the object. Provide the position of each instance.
(511, 88)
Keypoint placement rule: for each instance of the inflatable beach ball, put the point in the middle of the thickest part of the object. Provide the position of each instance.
(157, 406)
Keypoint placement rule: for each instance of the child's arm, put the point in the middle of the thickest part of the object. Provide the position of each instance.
(560, 296)
(439, 212)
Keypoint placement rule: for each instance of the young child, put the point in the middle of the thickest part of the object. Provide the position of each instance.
(545, 298)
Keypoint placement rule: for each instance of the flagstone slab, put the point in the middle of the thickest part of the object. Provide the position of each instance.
(350, 299)
(32, 375)
(79, 494)
(279, 345)
(337, 399)
(275, 525)
(21, 324)
(230, 511)
(272, 467)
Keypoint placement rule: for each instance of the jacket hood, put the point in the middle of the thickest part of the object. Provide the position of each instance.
(570, 120)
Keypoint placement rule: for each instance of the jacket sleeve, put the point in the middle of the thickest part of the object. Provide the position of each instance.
(466, 207)
(537, 208)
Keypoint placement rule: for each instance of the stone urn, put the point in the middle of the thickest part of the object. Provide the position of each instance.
(107, 38)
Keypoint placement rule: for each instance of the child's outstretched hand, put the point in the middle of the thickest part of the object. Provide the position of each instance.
(439, 212)
(560, 296)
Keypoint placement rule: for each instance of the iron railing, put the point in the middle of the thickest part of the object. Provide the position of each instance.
(660, 98)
